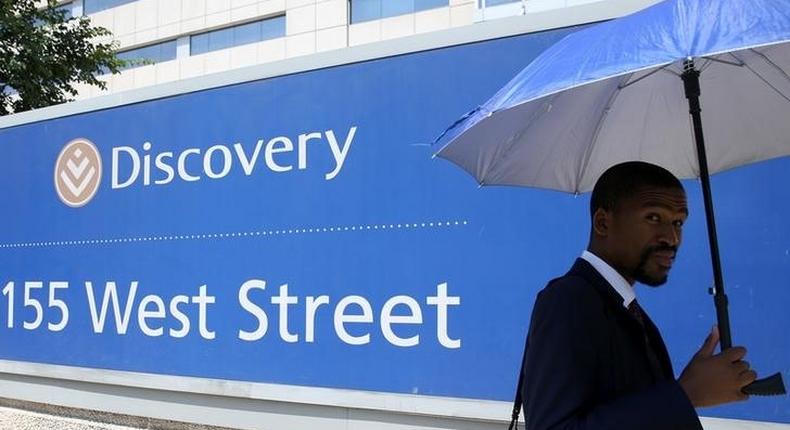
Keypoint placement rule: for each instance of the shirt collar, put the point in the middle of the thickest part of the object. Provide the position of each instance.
(614, 278)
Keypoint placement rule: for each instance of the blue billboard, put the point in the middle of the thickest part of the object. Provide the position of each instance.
(295, 230)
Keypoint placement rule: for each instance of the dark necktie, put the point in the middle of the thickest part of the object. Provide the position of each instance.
(636, 311)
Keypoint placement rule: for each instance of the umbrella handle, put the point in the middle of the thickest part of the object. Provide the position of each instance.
(770, 386)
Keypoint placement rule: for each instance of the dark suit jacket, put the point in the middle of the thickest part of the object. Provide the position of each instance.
(587, 364)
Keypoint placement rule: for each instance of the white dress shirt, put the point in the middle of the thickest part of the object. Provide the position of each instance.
(614, 278)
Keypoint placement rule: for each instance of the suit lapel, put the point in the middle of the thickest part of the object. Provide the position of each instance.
(659, 348)
(614, 301)
(612, 298)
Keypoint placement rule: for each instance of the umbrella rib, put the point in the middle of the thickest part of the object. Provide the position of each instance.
(598, 127)
(670, 71)
(629, 83)
(731, 63)
(705, 64)
(765, 81)
(514, 139)
(772, 64)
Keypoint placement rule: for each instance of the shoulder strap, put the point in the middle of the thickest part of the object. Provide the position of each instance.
(518, 401)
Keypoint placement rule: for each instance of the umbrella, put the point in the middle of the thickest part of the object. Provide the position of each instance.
(623, 90)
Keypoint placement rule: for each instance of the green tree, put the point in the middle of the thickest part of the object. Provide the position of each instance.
(44, 52)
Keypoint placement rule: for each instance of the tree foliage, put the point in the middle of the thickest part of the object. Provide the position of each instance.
(43, 53)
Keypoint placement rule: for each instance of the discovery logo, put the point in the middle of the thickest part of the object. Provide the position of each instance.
(78, 172)
(78, 168)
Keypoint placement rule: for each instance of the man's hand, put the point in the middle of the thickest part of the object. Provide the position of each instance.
(711, 380)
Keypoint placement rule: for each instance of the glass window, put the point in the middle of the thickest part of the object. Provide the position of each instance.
(66, 9)
(220, 39)
(429, 4)
(490, 3)
(396, 7)
(367, 10)
(156, 53)
(252, 32)
(198, 44)
(247, 33)
(273, 28)
(93, 6)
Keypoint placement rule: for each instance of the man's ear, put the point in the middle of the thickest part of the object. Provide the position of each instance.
(601, 222)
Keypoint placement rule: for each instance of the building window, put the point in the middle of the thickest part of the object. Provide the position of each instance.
(66, 9)
(368, 10)
(270, 28)
(495, 9)
(490, 3)
(156, 53)
(93, 6)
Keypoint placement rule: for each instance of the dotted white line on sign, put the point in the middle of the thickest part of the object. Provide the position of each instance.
(292, 231)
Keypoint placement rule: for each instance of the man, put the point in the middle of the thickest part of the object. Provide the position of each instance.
(594, 359)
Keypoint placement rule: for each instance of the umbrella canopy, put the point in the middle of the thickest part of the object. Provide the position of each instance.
(612, 93)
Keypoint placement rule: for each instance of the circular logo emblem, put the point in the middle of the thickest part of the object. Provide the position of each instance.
(78, 172)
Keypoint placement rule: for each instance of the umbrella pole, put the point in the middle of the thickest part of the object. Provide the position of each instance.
(767, 386)
(690, 78)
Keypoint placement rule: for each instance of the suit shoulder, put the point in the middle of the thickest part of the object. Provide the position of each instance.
(570, 286)
(570, 293)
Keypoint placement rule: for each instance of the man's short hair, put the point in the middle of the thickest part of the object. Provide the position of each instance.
(625, 179)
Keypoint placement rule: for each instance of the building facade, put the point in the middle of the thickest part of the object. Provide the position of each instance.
(180, 39)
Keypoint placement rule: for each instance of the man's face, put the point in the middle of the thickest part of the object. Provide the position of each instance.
(646, 233)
